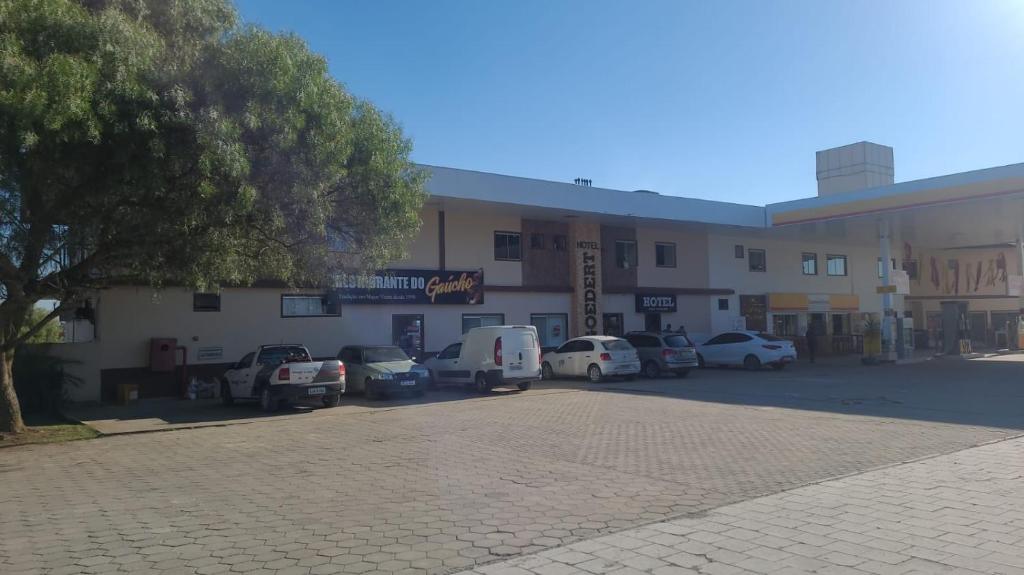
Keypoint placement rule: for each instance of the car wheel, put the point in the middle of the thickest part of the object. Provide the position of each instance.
(652, 370)
(546, 372)
(225, 394)
(332, 400)
(751, 362)
(267, 401)
(778, 366)
(700, 361)
(524, 386)
(683, 373)
(482, 386)
(594, 373)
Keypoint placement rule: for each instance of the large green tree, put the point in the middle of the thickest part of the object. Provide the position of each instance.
(161, 142)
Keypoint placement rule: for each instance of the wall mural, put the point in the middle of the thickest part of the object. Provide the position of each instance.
(966, 273)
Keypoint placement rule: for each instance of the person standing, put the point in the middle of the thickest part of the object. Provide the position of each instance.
(812, 340)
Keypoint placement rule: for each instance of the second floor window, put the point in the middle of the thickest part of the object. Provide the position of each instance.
(835, 265)
(810, 264)
(756, 260)
(625, 254)
(536, 241)
(665, 255)
(507, 246)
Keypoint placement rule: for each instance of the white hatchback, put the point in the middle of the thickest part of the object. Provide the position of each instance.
(592, 356)
(749, 349)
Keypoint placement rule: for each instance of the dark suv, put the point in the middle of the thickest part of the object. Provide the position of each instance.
(663, 352)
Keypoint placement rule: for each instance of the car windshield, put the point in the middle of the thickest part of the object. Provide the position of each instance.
(770, 337)
(383, 354)
(616, 345)
(276, 355)
(678, 341)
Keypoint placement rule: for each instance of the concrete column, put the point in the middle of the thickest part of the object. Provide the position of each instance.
(885, 252)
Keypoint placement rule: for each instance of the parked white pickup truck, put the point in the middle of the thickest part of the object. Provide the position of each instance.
(276, 374)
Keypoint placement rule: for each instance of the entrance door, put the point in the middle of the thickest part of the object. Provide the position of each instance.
(652, 322)
(613, 324)
(979, 328)
(551, 327)
(407, 333)
(755, 309)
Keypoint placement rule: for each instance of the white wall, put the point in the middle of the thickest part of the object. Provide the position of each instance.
(784, 273)
(129, 317)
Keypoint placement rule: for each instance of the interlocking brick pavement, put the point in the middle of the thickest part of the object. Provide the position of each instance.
(958, 513)
(442, 487)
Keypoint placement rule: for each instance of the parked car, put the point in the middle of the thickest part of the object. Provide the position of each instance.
(663, 352)
(490, 357)
(749, 349)
(381, 370)
(594, 357)
(276, 374)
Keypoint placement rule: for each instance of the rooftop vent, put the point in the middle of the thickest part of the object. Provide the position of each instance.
(583, 182)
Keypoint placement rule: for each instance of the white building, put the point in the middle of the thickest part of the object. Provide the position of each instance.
(574, 259)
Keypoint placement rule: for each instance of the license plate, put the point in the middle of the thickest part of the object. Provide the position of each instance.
(316, 391)
(407, 382)
(515, 367)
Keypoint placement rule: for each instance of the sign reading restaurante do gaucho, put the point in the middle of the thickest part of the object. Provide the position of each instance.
(413, 287)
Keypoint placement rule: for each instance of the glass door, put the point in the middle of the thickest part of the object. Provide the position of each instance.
(407, 333)
(551, 327)
(613, 324)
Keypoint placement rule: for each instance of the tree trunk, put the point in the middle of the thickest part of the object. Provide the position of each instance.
(10, 409)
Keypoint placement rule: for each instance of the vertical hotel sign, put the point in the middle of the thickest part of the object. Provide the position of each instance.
(586, 242)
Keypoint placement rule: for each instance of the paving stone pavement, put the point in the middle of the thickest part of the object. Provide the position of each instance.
(958, 513)
(443, 487)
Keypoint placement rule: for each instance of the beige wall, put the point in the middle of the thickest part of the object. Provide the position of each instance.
(691, 269)
(469, 244)
(129, 317)
(422, 253)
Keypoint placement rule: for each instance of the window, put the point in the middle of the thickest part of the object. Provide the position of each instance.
(309, 306)
(450, 352)
(616, 345)
(665, 255)
(678, 341)
(641, 340)
(278, 354)
(784, 324)
(560, 242)
(584, 345)
(738, 251)
(536, 241)
(625, 254)
(351, 355)
(910, 266)
(756, 260)
(551, 327)
(469, 321)
(723, 304)
(245, 361)
(880, 270)
(809, 264)
(730, 337)
(835, 265)
(507, 246)
(206, 302)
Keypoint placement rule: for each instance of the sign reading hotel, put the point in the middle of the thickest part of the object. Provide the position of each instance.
(586, 274)
(451, 287)
(646, 303)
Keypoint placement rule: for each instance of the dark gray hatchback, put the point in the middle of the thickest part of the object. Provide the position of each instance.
(663, 352)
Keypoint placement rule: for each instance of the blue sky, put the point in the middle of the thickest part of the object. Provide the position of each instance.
(720, 100)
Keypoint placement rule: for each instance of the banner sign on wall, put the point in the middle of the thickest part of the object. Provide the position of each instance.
(451, 287)
(646, 303)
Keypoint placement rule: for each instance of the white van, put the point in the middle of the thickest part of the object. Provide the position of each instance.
(490, 357)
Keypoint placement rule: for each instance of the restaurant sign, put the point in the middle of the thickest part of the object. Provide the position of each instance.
(451, 287)
(647, 303)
